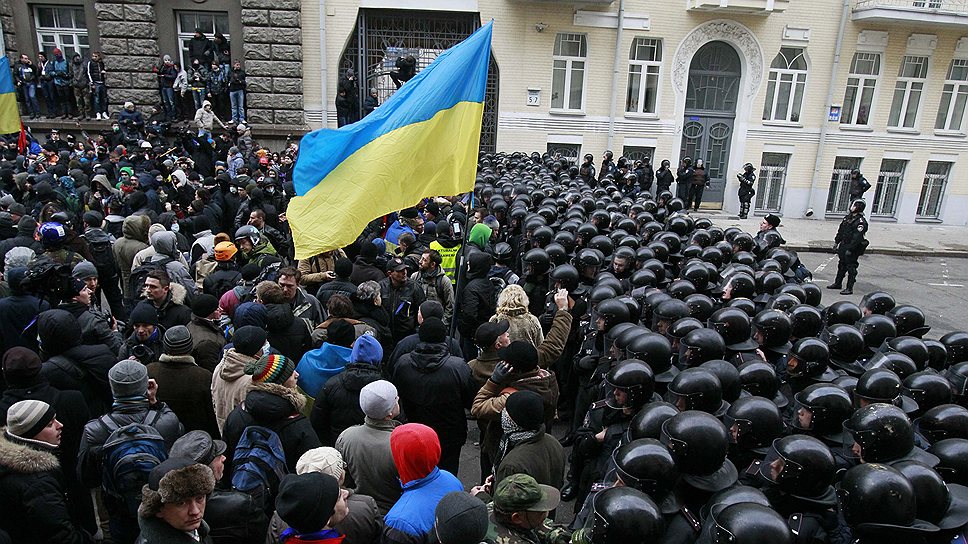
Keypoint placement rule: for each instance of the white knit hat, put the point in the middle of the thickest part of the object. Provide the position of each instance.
(324, 460)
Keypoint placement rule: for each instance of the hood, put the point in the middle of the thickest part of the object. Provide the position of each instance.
(26, 226)
(428, 357)
(251, 313)
(59, 331)
(234, 365)
(416, 451)
(165, 243)
(480, 235)
(356, 376)
(23, 459)
(97, 235)
(271, 402)
(102, 180)
(135, 227)
(278, 317)
(479, 264)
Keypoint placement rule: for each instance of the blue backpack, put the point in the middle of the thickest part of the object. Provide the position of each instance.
(259, 463)
(128, 456)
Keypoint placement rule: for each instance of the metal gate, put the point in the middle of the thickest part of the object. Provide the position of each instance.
(888, 187)
(769, 190)
(707, 131)
(838, 196)
(932, 192)
(382, 36)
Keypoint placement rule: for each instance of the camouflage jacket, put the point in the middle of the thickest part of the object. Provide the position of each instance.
(547, 534)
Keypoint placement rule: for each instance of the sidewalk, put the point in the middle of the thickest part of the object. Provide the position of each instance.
(886, 238)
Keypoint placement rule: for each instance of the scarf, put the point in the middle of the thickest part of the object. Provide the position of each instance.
(133, 400)
(513, 435)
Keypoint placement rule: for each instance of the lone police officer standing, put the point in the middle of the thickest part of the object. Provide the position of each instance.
(850, 245)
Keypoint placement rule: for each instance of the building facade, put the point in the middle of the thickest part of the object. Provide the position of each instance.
(806, 90)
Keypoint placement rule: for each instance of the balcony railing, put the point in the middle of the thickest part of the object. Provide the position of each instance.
(933, 12)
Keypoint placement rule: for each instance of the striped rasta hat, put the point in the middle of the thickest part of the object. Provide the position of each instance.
(271, 368)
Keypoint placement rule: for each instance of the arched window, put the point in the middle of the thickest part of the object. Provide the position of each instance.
(788, 81)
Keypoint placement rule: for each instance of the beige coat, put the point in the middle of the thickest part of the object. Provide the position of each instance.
(230, 384)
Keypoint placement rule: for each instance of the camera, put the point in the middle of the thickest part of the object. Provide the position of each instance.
(143, 353)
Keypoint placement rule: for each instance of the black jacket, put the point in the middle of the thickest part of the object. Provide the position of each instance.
(376, 317)
(235, 517)
(337, 405)
(850, 233)
(16, 312)
(95, 329)
(288, 335)
(70, 365)
(277, 408)
(663, 180)
(401, 304)
(332, 287)
(435, 387)
(225, 276)
(476, 302)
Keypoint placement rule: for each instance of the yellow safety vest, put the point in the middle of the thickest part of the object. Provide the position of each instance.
(448, 256)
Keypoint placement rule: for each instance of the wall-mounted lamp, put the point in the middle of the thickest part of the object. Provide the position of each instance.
(538, 27)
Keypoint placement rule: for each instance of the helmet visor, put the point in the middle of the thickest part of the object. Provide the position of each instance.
(853, 442)
(777, 468)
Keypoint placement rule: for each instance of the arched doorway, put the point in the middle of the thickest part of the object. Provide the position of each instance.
(712, 91)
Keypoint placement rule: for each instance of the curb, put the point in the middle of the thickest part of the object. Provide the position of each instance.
(900, 252)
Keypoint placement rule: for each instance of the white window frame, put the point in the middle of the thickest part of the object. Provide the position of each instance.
(912, 77)
(934, 181)
(955, 88)
(645, 70)
(860, 81)
(889, 182)
(78, 33)
(185, 34)
(569, 69)
(796, 79)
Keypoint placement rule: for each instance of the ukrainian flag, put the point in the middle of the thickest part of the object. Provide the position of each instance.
(9, 114)
(423, 141)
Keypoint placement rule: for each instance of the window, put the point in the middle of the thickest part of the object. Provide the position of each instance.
(568, 152)
(951, 112)
(637, 153)
(838, 197)
(769, 191)
(568, 75)
(935, 180)
(209, 22)
(888, 187)
(64, 27)
(645, 60)
(784, 92)
(861, 83)
(908, 91)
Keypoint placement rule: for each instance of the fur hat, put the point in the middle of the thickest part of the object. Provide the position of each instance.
(174, 480)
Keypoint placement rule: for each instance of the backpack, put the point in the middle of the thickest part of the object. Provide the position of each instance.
(259, 463)
(102, 256)
(127, 458)
(140, 273)
(498, 283)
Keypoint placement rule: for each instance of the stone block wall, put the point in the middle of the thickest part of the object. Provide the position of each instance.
(9, 31)
(129, 42)
(272, 44)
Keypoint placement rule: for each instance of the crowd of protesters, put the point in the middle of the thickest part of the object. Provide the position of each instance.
(172, 374)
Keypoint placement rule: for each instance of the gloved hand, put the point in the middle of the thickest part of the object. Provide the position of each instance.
(502, 373)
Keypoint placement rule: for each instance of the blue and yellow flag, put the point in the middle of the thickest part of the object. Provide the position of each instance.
(9, 114)
(423, 141)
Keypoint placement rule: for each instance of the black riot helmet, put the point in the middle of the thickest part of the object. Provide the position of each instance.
(883, 432)
(556, 253)
(646, 464)
(846, 344)
(735, 327)
(878, 386)
(682, 327)
(656, 351)
(613, 311)
(586, 231)
(739, 285)
(643, 278)
(877, 302)
(742, 242)
(808, 358)
(899, 363)
(822, 409)
(647, 423)
(957, 374)
(768, 282)
(784, 302)
(771, 329)
(680, 289)
(746, 305)
(805, 321)
(800, 465)
(601, 243)
(630, 384)
(754, 423)
(932, 495)
(667, 312)
(728, 378)
(503, 253)
(874, 495)
(876, 329)
(699, 346)
(759, 378)
(536, 262)
(542, 236)
(696, 389)
(697, 275)
(908, 320)
(813, 293)
(928, 389)
(953, 455)
(842, 311)
(698, 442)
(623, 515)
(956, 344)
(749, 523)
(795, 290)
(566, 239)
(915, 348)
(566, 276)
(937, 354)
(943, 422)
(700, 306)
(589, 262)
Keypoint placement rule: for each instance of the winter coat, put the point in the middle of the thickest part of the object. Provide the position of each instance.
(288, 335)
(157, 531)
(95, 328)
(411, 519)
(235, 517)
(24, 238)
(490, 400)
(524, 325)
(32, 495)
(369, 462)
(314, 269)
(173, 311)
(230, 384)
(166, 249)
(207, 342)
(321, 332)
(71, 365)
(435, 387)
(154, 343)
(16, 312)
(96, 433)
(337, 405)
(401, 304)
(476, 301)
(540, 456)
(850, 233)
(275, 407)
(376, 317)
(333, 287)
(437, 286)
(222, 279)
(305, 306)
(201, 49)
(135, 238)
(186, 388)
(362, 525)
(407, 345)
(548, 351)
(364, 270)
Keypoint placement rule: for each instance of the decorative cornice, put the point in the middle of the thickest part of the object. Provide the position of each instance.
(728, 31)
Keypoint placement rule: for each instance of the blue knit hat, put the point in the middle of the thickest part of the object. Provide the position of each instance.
(367, 349)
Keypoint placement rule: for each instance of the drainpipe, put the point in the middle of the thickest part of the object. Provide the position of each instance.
(615, 67)
(323, 62)
(818, 164)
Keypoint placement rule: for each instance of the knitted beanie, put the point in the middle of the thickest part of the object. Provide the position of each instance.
(271, 368)
(28, 417)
